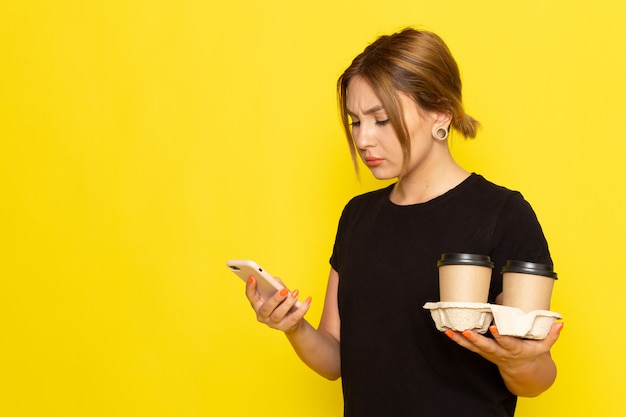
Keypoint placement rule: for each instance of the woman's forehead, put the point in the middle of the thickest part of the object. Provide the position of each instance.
(361, 97)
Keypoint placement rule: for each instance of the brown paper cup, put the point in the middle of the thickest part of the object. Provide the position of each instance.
(464, 277)
(527, 286)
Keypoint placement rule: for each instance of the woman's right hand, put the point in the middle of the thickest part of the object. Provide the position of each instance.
(276, 311)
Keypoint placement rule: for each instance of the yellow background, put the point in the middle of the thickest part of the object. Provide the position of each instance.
(144, 143)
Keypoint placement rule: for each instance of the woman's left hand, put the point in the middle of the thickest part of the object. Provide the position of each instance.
(525, 365)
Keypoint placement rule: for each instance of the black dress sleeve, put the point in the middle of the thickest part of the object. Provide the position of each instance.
(517, 236)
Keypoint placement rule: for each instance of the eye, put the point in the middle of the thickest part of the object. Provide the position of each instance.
(355, 123)
(382, 122)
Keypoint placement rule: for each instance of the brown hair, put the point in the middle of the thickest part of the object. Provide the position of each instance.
(418, 64)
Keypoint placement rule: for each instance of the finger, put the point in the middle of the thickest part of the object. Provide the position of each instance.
(292, 319)
(480, 343)
(268, 307)
(285, 307)
(461, 339)
(451, 334)
(553, 335)
(510, 343)
(286, 317)
(251, 292)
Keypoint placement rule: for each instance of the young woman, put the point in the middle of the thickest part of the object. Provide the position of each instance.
(399, 99)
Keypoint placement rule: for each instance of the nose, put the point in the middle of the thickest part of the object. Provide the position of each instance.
(363, 137)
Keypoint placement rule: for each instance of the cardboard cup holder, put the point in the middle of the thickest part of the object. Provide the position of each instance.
(460, 316)
(464, 280)
(511, 321)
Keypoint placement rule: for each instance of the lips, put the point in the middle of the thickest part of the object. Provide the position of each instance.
(371, 161)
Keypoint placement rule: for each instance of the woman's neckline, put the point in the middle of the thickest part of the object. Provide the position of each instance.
(455, 189)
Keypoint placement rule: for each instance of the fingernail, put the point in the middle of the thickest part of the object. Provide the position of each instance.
(467, 334)
(295, 293)
(308, 300)
(284, 292)
(494, 330)
(449, 333)
(560, 327)
(251, 279)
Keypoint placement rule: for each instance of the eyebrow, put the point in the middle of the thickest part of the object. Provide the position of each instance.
(368, 111)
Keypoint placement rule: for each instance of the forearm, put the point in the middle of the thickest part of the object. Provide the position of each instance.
(529, 378)
(318, 349)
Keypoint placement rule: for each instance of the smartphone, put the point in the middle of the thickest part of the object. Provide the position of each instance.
(267, 285)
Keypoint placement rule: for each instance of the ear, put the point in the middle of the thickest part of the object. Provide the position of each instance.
(442, 119)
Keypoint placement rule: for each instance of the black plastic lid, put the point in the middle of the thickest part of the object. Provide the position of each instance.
(529, 268)
(465, 259)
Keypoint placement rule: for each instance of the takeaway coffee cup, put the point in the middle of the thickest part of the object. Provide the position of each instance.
(527, 286)
(464, 277)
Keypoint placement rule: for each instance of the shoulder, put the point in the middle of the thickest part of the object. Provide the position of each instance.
(515, 213)
(483, 185)
(493, 194)
(517, 233)
(364, 207)
(369, 198)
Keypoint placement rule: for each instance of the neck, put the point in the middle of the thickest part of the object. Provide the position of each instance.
(422, 187)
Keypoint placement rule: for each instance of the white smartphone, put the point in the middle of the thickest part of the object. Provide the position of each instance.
(267, 285)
